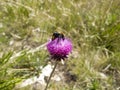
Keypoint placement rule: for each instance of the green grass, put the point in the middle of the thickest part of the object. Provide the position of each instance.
(93, 26)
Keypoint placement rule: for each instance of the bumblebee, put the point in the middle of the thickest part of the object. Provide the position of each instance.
(57, 35)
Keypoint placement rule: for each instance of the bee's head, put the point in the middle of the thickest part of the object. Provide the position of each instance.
(57, 35)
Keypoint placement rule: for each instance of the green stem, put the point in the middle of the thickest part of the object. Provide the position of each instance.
(51, 75)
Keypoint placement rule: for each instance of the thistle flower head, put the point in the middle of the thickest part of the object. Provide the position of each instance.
(59, 47)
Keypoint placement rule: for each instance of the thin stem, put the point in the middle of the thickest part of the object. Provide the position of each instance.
(51, 75)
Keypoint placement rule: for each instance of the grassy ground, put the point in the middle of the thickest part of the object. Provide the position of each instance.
(92, 25)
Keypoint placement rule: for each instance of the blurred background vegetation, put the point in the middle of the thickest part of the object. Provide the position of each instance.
(92, 25)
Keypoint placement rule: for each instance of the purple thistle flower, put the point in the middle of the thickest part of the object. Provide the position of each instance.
(59, 47)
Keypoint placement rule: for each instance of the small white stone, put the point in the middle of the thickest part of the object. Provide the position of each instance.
(46, 71)
(11, 42)
(56, 78)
